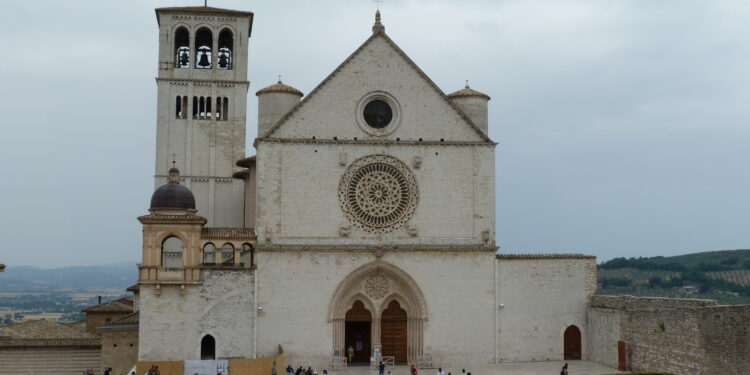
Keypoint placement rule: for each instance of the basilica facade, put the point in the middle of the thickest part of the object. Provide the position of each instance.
(362, 227)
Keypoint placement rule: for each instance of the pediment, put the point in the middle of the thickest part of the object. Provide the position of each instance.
(377, 69)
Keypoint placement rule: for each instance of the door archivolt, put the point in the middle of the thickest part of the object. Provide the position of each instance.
(376, 285)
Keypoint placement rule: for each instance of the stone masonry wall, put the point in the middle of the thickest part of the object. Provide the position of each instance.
(172, 323)
(680, 336)
(541, 297)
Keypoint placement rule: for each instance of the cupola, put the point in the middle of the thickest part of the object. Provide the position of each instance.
(273, 103)
(173, 195)
(474, 105)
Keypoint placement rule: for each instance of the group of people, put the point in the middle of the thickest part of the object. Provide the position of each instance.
(414, 371)
(302, 371)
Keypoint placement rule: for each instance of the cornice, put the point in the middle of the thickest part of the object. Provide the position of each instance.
(171, 219)
(402, 248)
(543, 256)
(378, 142)
(195, 80)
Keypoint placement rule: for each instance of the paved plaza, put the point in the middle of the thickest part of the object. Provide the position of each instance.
(526, 368)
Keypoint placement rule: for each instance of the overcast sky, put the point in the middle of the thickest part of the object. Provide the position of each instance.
(623, 126)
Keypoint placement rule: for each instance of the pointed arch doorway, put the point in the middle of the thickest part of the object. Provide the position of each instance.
(358, 326)
(394, 336)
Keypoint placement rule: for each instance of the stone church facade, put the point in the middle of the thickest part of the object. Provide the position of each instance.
(365, 219)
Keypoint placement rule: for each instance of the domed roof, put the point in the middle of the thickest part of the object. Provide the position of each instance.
(172, 195)
(468, 92)
(279, 87)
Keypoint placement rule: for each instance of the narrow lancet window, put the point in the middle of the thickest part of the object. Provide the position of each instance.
(178, 108)
(181, 48)
(203, 48)
(226, 45)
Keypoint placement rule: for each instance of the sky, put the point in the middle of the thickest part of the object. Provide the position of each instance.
(623, 127)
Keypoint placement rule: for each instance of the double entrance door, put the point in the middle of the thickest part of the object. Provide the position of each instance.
(358, 333)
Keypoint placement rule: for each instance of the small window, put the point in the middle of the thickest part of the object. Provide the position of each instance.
(203, 48)
(171, 252)
(227, 254)
(378, 114)
(181, 48)
(209, 254)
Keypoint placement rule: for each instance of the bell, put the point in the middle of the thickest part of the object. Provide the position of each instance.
(184, 59)
(203, 62)
(223, 61)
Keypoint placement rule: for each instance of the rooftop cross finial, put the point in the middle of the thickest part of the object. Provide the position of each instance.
(279, 78)
(377, 27)
(467, 83)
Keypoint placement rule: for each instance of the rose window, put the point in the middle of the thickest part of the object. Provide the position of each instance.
(378, 193)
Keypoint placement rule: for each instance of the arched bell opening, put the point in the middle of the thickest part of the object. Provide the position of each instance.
(181, 48)
(357, 333)
(208, 348)
(572, 343)
(226, 47)
(203, 48)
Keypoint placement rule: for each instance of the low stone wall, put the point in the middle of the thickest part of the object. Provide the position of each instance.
(237, 366)
(680, 336)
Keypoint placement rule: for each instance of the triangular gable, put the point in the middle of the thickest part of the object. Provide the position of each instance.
(410, 62)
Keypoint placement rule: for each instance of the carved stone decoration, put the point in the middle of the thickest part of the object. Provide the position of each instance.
(376, 286)
(344, 230)
(378, 193)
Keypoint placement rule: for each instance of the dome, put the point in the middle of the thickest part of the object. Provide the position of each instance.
(172, 195)
(279, 87)
(468, 92)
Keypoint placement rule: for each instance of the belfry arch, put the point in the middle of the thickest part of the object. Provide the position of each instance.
(377, 286)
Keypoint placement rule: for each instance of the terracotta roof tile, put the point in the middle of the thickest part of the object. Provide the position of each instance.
(279, 87)
(468, 92)
(544, 256)
(45, 333)
(129, 319)
(124, 304)
(228, 233)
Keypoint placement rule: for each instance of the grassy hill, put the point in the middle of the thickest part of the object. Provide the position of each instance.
(721, 275)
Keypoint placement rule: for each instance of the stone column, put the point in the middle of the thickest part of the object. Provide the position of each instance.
(338, 335)
(375, 340)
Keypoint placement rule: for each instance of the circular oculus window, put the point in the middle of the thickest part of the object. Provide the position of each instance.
(378, 113)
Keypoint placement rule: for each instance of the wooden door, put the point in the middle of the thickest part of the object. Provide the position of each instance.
(572, 343)
(357, 330)
(394, 333)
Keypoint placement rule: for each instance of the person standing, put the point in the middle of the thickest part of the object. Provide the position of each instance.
(413, 370)
(440, 371)
(273, 368)
(564, 370)
(381, 368)
(350, 353)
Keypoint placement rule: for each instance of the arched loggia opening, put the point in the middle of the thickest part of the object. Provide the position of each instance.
(358, 338)
(572, 343)
(208, 347)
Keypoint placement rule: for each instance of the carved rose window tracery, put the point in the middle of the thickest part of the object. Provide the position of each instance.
(378, 193)
(376, 286)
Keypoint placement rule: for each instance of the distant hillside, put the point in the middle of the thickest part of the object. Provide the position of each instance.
(27, 278)
(722, 275)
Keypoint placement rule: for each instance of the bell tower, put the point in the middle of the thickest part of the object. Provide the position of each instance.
(201, 106)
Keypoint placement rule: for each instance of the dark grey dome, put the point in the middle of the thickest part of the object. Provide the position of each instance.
(172, 195)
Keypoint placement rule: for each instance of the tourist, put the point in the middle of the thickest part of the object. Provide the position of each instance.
(350, 353)
(299, 371)
(325, 372)
(289, 369)
(273, 368)
(463, 371)
(564, 370)
(413, 370)
(440, 371)
(381, 368)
